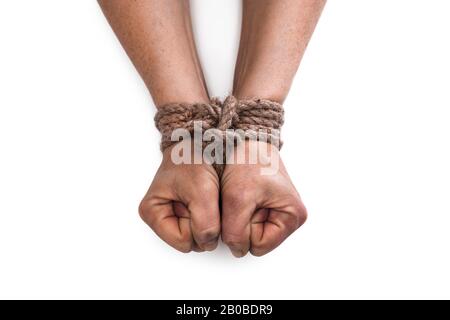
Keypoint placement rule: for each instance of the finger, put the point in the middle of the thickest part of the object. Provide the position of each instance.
(205, 220)
(257, 225)
(265, 237)
(196, 248)
(181, 211)
(237, 210)
(278, 225)
(173, 229)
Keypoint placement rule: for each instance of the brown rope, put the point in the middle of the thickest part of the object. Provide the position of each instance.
(254, 115)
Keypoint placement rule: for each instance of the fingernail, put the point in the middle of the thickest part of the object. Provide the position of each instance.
(210, 246)
(238, 253)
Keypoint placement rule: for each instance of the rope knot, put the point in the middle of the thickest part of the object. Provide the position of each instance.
(255, 118)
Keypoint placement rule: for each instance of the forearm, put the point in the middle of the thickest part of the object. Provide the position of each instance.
(157, 36)
(275, 34)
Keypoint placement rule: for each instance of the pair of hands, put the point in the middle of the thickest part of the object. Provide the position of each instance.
(189, 207)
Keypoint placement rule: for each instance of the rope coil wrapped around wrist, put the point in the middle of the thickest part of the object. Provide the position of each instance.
(254, 116)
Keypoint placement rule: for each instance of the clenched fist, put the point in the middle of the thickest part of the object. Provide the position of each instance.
(260, 207)
(182, 205)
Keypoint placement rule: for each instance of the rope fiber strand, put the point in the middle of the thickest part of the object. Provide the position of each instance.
(254, 115)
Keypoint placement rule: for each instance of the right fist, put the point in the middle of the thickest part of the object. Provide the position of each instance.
(182, 205)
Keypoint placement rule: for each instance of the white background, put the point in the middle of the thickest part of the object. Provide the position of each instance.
(366, 142)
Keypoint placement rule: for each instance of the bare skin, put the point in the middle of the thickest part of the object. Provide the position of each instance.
(157, 36)
(260, 212)
(274, 38)
(181, 205)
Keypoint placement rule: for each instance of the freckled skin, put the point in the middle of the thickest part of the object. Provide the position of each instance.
(274, 37)
(157, 36)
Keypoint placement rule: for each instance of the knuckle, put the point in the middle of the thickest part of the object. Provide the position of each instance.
(261, 248)
(258, 251)
(183, 246)
(300, 214)
(232, 241)
(147, 212)
(145, 209)
(208, 234)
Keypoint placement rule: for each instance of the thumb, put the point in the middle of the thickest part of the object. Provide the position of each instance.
(237, 210)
